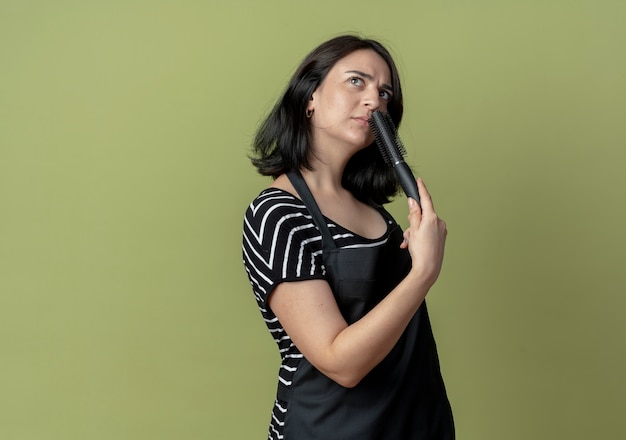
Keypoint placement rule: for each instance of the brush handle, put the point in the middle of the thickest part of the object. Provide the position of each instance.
(407, 181)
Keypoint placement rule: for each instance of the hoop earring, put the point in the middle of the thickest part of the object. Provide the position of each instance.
(309, 113)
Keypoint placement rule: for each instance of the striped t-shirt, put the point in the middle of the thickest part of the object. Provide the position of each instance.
(281, 243)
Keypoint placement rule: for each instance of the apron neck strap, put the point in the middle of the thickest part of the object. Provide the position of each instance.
(304, 192)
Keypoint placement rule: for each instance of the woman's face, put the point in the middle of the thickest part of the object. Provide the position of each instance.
(354, 87)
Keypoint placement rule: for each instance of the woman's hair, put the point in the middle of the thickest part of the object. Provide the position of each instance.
(283, 141)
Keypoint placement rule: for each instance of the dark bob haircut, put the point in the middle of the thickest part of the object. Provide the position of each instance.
(283, 140)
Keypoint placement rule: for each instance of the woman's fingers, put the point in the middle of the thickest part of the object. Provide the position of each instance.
(426, 200)
(415, 217)
(405, 242)
(426, 235)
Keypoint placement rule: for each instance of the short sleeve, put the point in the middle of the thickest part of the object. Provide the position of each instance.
(280, 243)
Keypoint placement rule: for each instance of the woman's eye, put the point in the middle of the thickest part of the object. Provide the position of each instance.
(385, 95)
(355, 80)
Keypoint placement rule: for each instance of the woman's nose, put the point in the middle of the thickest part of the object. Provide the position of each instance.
(372, 99)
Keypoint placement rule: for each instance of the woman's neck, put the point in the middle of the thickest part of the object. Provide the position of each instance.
(324, 178)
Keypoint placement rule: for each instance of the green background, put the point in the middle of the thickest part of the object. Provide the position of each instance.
(125, 312)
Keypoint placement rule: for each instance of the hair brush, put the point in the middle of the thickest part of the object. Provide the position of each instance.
(393, 151)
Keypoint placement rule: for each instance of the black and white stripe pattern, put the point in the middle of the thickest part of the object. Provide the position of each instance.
(281, 243)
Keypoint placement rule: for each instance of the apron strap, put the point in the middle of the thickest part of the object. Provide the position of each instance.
(304, 192)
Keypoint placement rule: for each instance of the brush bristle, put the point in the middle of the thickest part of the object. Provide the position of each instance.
(387, 139)
(375, 127)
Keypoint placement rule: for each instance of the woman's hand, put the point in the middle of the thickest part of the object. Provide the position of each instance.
(425, 237)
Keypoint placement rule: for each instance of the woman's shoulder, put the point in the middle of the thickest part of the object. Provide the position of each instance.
(274, 207)
(274, 198)
(277, 224)
(280, 197)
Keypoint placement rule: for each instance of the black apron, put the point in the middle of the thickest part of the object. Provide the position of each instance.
(403, 397)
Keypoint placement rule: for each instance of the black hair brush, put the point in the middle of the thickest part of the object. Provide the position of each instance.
(393, 151)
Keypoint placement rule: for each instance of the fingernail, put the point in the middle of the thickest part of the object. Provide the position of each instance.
(411, 202)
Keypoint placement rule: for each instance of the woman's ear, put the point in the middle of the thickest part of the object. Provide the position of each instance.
(310, 106)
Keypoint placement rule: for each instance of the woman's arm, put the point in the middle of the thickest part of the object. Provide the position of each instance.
(345, 353)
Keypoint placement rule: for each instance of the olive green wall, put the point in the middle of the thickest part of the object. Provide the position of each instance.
(125, 312)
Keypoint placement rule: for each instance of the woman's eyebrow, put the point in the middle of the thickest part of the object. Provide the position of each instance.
(370, 78)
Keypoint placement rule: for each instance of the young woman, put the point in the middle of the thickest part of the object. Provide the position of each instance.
(340, 286)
